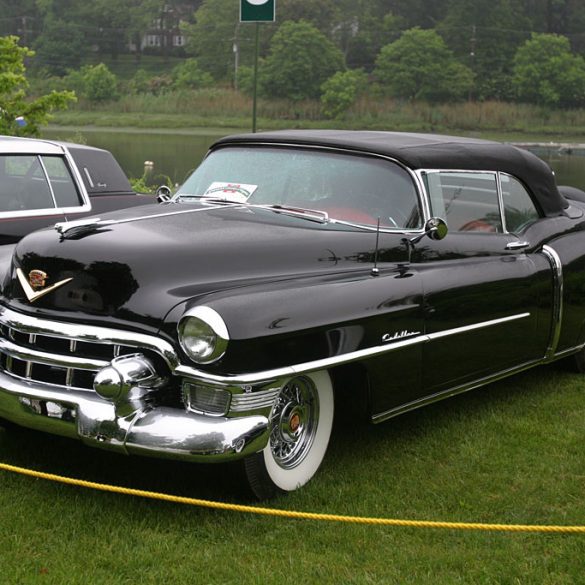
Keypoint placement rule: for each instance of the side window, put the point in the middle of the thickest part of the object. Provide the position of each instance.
(468, 201)
(64, 188)
(519, 210)
(23, 184)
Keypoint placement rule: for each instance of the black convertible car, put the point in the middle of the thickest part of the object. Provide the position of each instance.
(293, 270)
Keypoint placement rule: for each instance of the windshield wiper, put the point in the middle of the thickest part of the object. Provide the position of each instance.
(302, 212)
(206, 199)
(308, 214)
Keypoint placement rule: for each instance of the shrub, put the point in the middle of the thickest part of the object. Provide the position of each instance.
(188, 75)
(98, 83)
(341, 90)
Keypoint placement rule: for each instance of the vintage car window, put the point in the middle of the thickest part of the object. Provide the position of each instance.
(519, 209)
(468, 201)
(66, 193)
(352, 188)
(23, 184)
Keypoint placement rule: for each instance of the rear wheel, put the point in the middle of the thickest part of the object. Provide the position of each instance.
(301, 422)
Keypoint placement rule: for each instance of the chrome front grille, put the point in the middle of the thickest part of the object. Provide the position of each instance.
(68, 355)
(55, 360)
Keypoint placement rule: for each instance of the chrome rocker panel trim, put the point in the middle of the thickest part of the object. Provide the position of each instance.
(139, 428)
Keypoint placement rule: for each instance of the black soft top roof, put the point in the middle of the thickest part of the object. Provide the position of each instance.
(430, 151)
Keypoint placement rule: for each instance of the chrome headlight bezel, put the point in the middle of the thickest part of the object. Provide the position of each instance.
(210, 320)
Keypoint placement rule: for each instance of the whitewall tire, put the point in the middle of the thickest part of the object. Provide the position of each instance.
(301, 422)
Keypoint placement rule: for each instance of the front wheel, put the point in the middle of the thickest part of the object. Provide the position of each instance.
(300, 427)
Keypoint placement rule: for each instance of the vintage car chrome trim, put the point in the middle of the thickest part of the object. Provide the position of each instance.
(73, 331)
(215, 322)
(501, 201)
(72, 228)
(47, 178)
(557, 309)
(253, 400)
(257, 377)
(42, 357)
(466, 328)
(61, 152)
(496, 174)
(520, 245)
(211, 317)
(382, 416)
(159, 431)
(32, 325)
(86, 201)
(568, 352)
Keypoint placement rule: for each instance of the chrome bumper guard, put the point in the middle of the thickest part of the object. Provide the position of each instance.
(39, 369)
(165, 432)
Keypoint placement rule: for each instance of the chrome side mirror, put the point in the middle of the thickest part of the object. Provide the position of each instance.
(436, 228)
(163, 194)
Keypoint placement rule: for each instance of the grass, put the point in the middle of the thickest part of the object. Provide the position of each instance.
(224, 108)
(511, 453)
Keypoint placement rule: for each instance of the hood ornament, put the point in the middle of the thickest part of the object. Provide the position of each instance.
(36, 280)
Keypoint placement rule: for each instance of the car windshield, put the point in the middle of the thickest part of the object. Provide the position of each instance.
(350, 188)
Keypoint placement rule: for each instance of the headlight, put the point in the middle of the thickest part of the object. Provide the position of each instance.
(203, 335)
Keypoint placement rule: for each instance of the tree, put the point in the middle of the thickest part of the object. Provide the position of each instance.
(546, 72)
(341, 90)
(362, 28)
(321, 14)
(61, 46)
(420, 66)
(301, 58)
(423, 13)
(484, 35)
(217, 34)
(13, 86)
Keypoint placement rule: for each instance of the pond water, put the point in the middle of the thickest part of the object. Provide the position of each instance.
(175, 154)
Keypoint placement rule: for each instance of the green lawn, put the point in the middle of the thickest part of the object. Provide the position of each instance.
(508, 453)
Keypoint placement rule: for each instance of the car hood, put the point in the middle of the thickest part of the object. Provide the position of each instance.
(136, 270)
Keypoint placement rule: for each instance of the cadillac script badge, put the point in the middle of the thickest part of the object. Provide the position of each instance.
(37, 280)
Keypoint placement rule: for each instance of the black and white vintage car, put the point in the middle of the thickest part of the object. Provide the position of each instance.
(42, 182)
(291, 271)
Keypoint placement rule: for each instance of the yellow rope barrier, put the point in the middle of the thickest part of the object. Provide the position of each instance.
(292, 514)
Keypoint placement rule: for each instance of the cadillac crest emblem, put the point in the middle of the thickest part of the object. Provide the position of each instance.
(37, 278)
(33, 287)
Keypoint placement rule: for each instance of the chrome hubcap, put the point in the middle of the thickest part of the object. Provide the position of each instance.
(294, 422)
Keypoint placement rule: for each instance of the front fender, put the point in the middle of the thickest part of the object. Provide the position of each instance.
(275, 325)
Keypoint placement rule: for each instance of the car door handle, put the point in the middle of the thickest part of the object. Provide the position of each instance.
(517, 245)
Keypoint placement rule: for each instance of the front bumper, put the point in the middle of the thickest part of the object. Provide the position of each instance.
(136, 428)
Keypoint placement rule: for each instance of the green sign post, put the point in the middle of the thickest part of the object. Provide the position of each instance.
(257, 11)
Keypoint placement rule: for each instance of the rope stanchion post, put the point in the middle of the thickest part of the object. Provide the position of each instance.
(291, 514)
